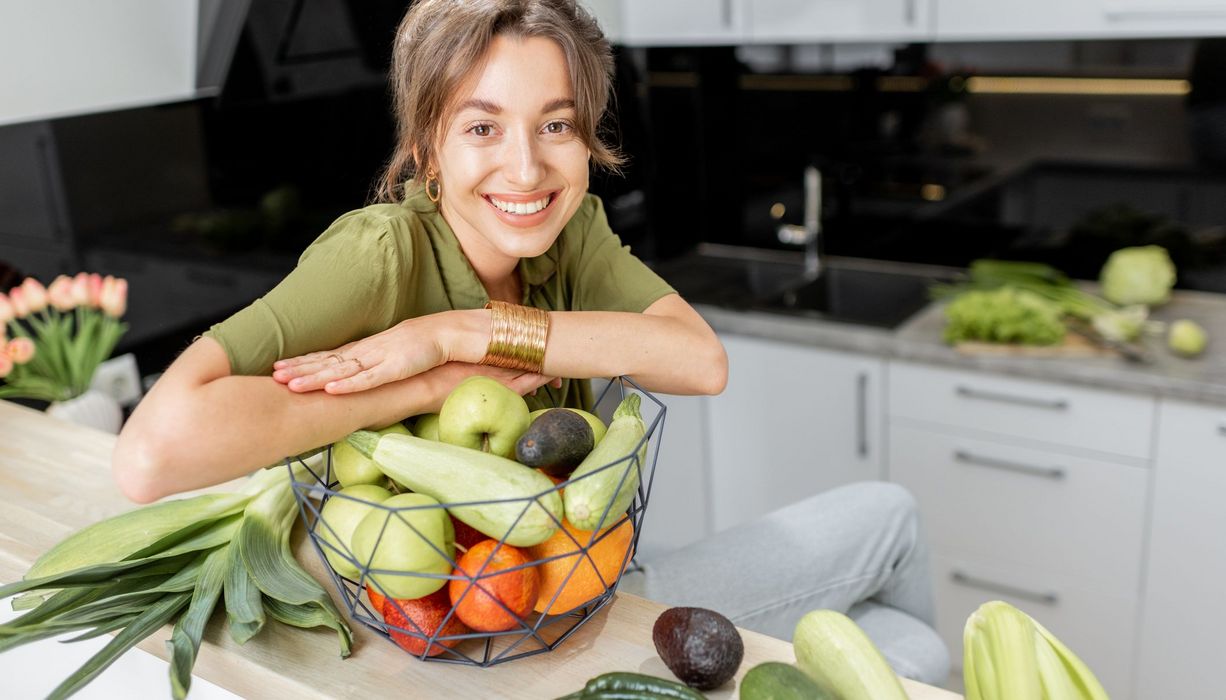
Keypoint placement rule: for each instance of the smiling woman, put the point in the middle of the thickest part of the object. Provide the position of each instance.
(483, 231)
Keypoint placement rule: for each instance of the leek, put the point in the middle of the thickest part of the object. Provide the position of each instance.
(171, 562)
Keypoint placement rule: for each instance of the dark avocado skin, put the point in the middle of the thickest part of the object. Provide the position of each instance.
(556, 442)
(701, 647)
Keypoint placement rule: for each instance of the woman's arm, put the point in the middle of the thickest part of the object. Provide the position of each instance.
(668, 348)
(200, 425)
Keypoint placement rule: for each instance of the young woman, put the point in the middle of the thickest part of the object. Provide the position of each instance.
(498, 104)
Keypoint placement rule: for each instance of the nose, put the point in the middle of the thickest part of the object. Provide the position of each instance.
(523, 164)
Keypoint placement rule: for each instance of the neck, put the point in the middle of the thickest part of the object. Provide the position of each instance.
(498, 273)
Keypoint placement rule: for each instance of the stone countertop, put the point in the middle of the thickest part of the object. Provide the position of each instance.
(919, 339)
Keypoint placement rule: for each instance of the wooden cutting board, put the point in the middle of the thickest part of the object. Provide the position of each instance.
(1074, 345)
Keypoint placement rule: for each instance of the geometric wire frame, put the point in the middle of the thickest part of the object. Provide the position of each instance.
(536, 634)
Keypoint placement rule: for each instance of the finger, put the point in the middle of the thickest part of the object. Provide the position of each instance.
(317, 380)
(304, 359)
(304, 369)
(368, 379)
(556, 383)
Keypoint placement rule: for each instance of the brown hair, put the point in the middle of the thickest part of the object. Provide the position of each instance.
(439, 42)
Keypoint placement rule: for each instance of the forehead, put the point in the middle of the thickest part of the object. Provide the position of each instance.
(519, 74)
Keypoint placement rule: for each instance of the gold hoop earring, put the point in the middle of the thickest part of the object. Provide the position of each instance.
(436, 193)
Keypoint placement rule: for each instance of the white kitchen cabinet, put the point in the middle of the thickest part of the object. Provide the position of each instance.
(961, 20)
(784, 21)
(678, 511)
(1183, 610)
(1030, 492)
(793, 421)
(681, 22)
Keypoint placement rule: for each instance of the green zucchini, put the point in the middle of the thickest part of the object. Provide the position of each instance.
(454, 474)
(773, 680)
(592, 487)
(833, 651)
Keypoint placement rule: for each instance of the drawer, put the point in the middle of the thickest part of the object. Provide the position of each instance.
(1092, 419)
(1191, 434)
(1098, 628)
(1075, 517)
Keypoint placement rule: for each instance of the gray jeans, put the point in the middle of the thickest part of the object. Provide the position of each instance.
(857, 549)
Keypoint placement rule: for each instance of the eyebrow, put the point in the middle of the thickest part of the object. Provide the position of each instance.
(491, 108)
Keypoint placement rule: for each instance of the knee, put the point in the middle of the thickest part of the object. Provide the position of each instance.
(885, 500)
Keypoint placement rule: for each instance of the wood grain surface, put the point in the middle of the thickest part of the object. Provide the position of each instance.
(56, 479)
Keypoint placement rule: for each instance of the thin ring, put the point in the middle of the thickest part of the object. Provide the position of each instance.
(339, 359)
(361, 367)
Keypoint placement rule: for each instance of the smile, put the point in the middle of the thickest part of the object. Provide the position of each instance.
(522, 208)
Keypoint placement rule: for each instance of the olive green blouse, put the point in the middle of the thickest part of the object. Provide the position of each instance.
(384, 263)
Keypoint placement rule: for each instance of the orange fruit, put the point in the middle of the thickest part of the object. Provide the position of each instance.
(610, 554)
(517, 590)
(376, 600)
(428, 613)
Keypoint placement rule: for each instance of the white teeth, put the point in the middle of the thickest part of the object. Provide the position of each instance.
(520, 208)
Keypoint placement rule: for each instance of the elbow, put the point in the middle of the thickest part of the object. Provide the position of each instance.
(715, 378)
(139, 465)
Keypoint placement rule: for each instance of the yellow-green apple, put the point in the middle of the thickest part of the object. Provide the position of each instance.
(351, 467)
(426, 427)
(484, 415)
(340, 517)
(404, 539)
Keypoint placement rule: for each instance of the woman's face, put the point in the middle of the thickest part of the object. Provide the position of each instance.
(511, 168)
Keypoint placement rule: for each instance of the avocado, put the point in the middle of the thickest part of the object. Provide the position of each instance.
(556, 442)
(701, 647)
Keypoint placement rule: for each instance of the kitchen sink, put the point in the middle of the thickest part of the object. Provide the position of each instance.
(852, 290)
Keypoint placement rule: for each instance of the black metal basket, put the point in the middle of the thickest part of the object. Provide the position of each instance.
(534, 633)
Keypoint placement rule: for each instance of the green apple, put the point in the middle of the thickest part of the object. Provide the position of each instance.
(402, 545)
(598, 426)
(340, 517)
(351, 467)
(426, 427)
(482, 414)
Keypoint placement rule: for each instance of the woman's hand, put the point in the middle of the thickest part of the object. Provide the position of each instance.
(446, 377)
(406, 349)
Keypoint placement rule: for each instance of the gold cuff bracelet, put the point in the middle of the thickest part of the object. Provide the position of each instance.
(517, 338)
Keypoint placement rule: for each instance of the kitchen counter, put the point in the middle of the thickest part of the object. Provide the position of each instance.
(919, 339)
(57, 480)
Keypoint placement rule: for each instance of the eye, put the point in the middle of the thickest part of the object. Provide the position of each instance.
(557, 127)
(481, 130)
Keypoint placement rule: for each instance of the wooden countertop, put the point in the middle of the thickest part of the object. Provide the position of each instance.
(56, 479)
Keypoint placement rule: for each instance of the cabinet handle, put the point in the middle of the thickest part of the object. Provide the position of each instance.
(908, 13)
(965, 457)
(725, 13)
(964, 579)
(862, 414)
(1052, 404)
(1221, 429)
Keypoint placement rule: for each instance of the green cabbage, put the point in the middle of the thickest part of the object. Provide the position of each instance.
(1140, 275)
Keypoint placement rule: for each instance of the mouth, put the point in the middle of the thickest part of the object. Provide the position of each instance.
(522, 208)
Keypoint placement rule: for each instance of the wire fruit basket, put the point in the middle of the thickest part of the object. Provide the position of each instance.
(578, 571)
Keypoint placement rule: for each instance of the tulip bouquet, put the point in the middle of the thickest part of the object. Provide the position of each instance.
(59, 334)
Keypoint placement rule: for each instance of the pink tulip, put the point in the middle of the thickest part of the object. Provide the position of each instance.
(80, 289)
(35, 293)
(6, 365)
(7, 313)
(114, 296)
(95, 289)
(21, 307)
(60, 293)
(20, 350)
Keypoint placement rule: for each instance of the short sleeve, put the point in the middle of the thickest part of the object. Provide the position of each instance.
(343, 288)
(606, 275)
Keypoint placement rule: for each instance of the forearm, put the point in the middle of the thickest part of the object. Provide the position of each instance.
(186, 437)
(669, 348)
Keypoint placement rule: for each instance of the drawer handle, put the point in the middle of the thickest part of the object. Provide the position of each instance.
(1221, 429)
(862, 414)
(1051, 404)
(965, 457)
(964, 579)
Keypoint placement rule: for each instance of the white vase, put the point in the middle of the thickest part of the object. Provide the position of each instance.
(94, 408)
